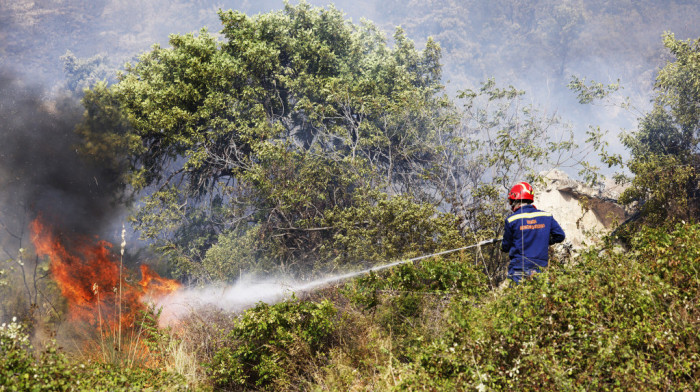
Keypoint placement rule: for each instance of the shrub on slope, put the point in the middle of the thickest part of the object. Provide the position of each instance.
(23, 369)
(614, 321)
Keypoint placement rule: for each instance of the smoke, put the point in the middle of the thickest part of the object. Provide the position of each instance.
(244, 294)
(534, 46)
(41, 172)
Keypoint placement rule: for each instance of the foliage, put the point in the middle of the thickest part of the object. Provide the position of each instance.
(588, 93)
(378, 229)
(165, 349)
(270, 344)
(304, 143)
(439, 276)
(375, 229)
(51, 370)
(612, 319)
(617, 320)
(679, 82)
(664, 155)
(501, 139)
(26, 291)
(113, 378)
(236, 253)
(103, 112)
(296, 131)
(400, 298)
(284, 120)
(665, 186)
(82, 74)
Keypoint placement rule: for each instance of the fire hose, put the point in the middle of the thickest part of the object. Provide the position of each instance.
(395, 263)
(444, 252)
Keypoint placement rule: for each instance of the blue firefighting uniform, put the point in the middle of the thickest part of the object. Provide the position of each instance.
(527, 236)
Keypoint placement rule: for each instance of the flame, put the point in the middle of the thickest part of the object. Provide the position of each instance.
(87, 273)
(154, 286)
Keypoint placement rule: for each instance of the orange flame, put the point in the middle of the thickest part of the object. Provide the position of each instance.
(87, 274)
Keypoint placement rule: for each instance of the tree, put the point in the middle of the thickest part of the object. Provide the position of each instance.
(499, 141)
(287, 118)
(664, 157)
(81, 74)
(664, 150)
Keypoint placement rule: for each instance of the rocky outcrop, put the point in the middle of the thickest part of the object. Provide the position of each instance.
(585, 213)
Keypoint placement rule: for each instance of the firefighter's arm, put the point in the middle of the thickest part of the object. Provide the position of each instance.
(556, 235)
(507, 241)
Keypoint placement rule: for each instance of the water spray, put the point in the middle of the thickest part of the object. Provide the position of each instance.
(247, 292)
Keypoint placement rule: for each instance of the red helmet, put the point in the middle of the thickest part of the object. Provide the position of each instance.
(521, 191)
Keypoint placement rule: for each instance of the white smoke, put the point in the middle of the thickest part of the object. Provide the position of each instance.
(243, 294)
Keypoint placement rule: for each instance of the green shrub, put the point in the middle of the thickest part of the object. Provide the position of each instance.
(235, 253)
(404, 290)
(616, 321)
(106, 377)
(438, 275)
(51, 370)
(379, 228)
(407, 301)
(271, 345)
(18, 368)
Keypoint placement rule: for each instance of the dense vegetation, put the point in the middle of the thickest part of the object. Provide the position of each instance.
(288, 138)
(300, 143)
(613, 320)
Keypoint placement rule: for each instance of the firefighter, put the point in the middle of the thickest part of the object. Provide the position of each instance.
(528, 234)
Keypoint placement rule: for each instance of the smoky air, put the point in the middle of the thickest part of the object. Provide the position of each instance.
(41, 170)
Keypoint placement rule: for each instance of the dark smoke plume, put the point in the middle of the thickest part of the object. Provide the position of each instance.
(41, 172)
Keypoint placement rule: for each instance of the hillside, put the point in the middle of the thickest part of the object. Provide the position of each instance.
(260, 179)
(607, 320)
(533, 45)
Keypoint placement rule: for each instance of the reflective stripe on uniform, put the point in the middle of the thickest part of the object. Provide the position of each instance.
(528, 215)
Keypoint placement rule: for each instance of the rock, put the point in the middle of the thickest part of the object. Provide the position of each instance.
(585, 213)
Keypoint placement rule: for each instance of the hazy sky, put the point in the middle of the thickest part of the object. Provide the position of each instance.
(480, 39)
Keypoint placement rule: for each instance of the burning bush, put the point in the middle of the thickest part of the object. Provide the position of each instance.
(91, 280)
(108, 315)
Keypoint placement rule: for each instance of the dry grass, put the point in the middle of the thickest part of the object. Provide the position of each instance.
(180, 359)
(363, 359)
(87, 343)
(197, 337)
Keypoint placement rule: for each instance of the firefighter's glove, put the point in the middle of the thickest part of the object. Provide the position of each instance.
(492, 241)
